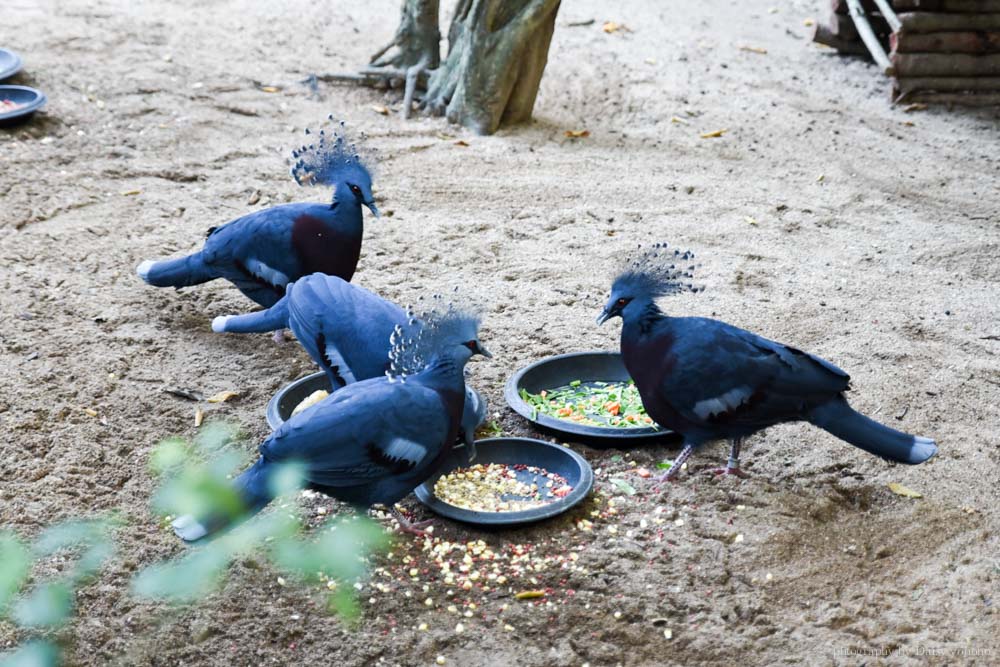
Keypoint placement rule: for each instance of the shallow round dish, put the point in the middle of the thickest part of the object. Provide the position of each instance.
(280, 407)
(512, 451)
(551, 372)
(10, 64)
(31, 98)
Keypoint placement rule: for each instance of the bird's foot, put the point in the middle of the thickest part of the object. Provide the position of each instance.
(735, 472)
(412, 527)
(669, 476)
(279, 337)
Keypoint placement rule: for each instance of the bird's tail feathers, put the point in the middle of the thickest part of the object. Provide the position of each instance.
(182, 272)
(843, 421)
(274, 318)
(254, 489)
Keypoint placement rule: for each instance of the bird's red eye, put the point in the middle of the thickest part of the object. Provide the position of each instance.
(622, 302)
(471, 344)
(355, 189)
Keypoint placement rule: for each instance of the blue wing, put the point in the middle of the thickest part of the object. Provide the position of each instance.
(256, 251)
(727, 376)
(364, 433)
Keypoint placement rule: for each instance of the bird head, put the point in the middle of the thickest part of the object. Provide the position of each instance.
(356, 186)
(649, 273)
(331, 159)
(441, 332)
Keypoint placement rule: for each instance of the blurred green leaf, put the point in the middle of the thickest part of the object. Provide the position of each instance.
(344, 604)
(91, 560)
(169, 455)
(665, 465)
(287, 479)
(189, 578)
(32, 654)
(200, 492)
(624, 486)
(47, 606)
(14, 565)
(214, 436)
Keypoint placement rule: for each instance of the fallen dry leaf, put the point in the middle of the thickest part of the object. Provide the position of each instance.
(199, 417)
(677, 119)
(714, 135)
(820, 178)
(610, 27)
(750, 220)
(129, 193)
(378, 108)
(270, 89)
(529, 595)
(915, 107)
(223, 396)
(461, 143)
(577, 134)
(90, 411)
(809, 23)
(901, 490)
(754, 49)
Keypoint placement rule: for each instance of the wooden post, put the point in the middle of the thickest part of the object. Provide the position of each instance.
(868, 37)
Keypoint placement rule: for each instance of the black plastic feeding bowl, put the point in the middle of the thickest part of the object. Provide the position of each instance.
(560, 370)
(10, 64)
(32, 99)
(513, 451)
(280, 407)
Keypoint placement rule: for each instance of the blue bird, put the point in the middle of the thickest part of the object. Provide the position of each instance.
(346, 330)
(376, 440)
(707, 380)
(262, 252)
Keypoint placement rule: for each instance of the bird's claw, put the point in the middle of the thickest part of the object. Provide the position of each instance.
(279, 337)
(735, 472)
(412, 527)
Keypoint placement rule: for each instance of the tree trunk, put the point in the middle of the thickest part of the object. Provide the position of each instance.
(417, 38)
(496, 57)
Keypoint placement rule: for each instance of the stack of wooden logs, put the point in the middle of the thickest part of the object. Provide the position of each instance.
(944, 51)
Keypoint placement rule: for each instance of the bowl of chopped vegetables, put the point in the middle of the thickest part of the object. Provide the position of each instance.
(10, 64)
(512, 481)
(585, 395)
(19, 102)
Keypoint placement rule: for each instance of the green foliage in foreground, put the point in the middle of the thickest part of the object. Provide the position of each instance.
(195, 479)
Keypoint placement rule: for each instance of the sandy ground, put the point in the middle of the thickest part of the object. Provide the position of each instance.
(875, 244)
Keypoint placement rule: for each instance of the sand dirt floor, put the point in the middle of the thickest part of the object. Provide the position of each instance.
(822, 218)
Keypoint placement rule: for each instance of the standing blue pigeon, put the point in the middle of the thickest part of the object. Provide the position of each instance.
(373, 441)
(346, 330)
(708, 380)
(262, 252)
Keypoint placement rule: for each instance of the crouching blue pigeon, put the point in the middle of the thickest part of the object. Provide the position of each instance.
(708, 380)
(262, 252)
(346, 330)
(376, 440)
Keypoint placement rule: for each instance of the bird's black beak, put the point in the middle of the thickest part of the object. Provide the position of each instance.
(481, 349)
(603, 317)
(374, 209)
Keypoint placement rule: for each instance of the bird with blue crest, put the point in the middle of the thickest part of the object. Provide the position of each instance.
(260, 253)
(707, 380)
(347, 330)
(374, 441)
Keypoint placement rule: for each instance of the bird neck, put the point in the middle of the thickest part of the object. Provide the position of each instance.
(443, 372)
(641, 320)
